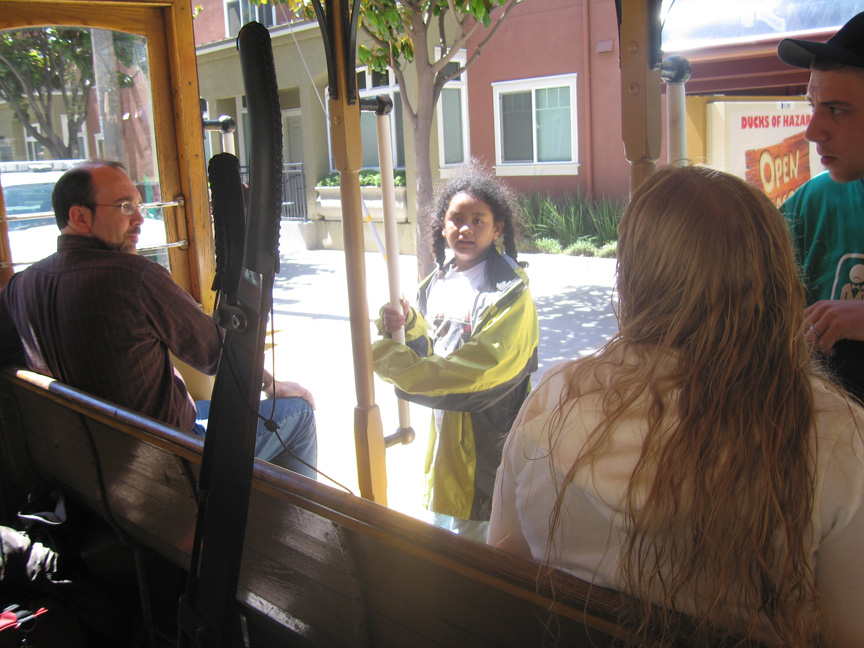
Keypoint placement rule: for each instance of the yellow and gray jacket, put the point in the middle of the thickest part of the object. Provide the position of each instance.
(476, 390)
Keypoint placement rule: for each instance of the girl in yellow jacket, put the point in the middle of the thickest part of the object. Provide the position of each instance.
(470, 346)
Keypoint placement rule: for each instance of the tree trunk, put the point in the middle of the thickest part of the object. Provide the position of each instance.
(422, 123)
(107, 94)
(423, 166)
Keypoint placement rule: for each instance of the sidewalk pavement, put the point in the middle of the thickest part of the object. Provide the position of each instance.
(573, 296)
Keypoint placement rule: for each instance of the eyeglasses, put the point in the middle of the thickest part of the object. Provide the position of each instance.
(128, 208)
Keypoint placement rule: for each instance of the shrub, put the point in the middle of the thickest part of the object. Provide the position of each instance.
(572, 219)
(605, 216)
(526, 244)
(368, 178)
(583, 247)
(548, 245)
(608, 250)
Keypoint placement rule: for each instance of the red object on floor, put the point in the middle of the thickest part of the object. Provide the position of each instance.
(14, 617)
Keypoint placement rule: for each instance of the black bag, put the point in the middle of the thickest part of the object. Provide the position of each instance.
(46, 560)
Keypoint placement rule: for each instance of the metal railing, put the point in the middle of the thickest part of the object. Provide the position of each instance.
(294, 205)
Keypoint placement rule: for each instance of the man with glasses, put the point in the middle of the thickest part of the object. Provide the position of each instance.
(827, 213)
(97, 316)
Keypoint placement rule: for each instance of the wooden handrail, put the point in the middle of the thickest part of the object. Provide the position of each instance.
(571, 602)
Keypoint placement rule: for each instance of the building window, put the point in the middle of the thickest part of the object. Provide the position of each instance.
(372, 84)
(35, 150)
(240, 12)
(453, 146)
(100, 145)
(535, 126)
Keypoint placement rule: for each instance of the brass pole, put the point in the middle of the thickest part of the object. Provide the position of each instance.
(347, 154)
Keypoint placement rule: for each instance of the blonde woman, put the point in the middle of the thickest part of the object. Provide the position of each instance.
(700, 460)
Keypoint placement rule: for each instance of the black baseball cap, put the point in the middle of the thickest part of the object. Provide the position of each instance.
(845, 47)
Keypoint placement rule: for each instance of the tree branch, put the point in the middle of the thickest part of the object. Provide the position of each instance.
(375, 38)
(430, 13)
(12, 68)
(442, 34)
(403, 94)
(459, 19)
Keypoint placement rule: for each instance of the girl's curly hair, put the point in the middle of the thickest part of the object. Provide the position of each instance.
(480, 183)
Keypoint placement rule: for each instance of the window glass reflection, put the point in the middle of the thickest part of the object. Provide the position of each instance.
(70, 94)
(687, 25)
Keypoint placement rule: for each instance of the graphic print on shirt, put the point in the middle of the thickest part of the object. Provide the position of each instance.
(451, 332)
(849, 277)
(450, 306)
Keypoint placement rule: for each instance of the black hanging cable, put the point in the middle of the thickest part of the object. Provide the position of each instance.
(269, 422)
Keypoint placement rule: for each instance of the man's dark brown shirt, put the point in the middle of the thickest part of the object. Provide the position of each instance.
(104, 322)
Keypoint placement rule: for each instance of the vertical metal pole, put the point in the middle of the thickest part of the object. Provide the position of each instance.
(675, 71)
(347, 154)
(226, 125)
(228, 143)
(405, 433)
(676, 125)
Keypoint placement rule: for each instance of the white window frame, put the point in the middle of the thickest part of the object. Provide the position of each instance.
(390, 89)
(243, 132)
(447, 170)
(536, 168)
(100, 145)
(5, 149)
(32, 146)
(274, 20)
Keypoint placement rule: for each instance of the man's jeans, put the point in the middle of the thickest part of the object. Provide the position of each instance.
(296, 421)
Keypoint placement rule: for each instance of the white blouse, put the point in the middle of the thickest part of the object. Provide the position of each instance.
(589, 539)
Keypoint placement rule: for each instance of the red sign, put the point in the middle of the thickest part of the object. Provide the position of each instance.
(779, 169)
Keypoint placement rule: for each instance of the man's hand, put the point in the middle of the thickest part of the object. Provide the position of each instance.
(393, 319)
(828, 321)
(288, 389)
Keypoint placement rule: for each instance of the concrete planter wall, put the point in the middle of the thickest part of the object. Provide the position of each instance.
(328, 205)
(328, 219)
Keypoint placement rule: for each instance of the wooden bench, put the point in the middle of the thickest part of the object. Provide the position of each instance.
(320, 567)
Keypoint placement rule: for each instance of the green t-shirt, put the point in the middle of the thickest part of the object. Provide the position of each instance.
(827, 221)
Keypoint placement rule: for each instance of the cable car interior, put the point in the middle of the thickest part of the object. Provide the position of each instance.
(169, 539)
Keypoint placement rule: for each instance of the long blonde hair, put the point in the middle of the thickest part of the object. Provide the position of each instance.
(718, 506)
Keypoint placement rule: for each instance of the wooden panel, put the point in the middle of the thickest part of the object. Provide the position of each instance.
(17, 476)
(118, 16)
(417, 603)
(147, 492)
(190, 162)
(59, 447)
(419, 585)
(294, 560)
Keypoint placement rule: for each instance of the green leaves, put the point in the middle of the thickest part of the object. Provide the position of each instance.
(368, 178)
(480, 10)
(389, 23)
(41, 65)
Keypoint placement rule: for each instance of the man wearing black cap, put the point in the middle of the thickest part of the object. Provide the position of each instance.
(827, 213)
